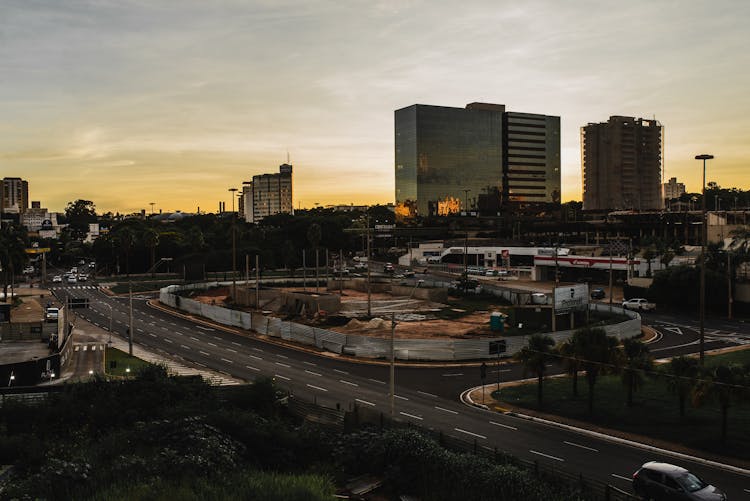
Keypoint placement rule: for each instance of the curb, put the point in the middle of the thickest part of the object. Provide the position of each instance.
(466, 400)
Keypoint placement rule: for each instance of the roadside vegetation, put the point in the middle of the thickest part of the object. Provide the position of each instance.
(171, 438)
(618, 387)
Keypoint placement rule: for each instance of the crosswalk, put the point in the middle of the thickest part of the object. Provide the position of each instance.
(71, 287)
(90, 347)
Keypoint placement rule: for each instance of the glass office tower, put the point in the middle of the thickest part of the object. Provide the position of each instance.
(452, 159)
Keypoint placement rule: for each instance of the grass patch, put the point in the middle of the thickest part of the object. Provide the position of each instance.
(118, 362)
(655, 412)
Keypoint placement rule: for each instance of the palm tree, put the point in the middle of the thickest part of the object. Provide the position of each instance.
(681, 373)
(598, 354)
(723, 384)
(12, 253)
(571, 362)
(534, 358)
(636, 360)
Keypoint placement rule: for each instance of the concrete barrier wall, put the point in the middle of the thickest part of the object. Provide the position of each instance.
(374, 347)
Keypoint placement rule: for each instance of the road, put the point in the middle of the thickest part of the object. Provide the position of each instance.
(426, 396)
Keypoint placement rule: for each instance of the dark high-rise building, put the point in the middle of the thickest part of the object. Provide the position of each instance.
(449, 159)
(621, 161)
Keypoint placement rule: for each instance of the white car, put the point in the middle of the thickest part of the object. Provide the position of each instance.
(72, 279)
(638, 303)
(82, 278)
(57, 278)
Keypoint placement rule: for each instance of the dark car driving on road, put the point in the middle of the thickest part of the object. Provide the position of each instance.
(598, 294)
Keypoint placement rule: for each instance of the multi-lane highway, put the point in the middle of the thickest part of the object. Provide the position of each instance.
(428, 396)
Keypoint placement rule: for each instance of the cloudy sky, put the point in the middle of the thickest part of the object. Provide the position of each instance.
(175, 101)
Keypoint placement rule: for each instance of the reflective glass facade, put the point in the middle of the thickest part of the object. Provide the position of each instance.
(447, 159)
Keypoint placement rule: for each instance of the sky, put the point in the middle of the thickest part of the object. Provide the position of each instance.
(173, 102)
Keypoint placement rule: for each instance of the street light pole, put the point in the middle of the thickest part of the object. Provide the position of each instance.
(110, 323)
(704, 238)
(130, 330)
(234, 250)
(393, 364)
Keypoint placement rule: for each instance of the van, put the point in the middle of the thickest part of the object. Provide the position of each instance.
(51, 314)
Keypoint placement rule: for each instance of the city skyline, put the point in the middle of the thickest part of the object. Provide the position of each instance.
(175, 102)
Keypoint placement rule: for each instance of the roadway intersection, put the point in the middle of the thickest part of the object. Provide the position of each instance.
(425, 395)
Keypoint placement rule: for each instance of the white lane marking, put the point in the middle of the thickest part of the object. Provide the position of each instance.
(313, 373)
(630, 479)
(445, 410)
(399, 396)
(236, 343)
(411, 415)
(227, 361)
(470, 433)
(427, 394)
(283, 365)
(232, 350)
(172, 323)
(194, 338)
(282, 377)
(316, 387)
(340, 372)
(204, 353)
(211, 344)
(152, 334)
(252, 368)
(504, 426)
(453, 374)
(376, 381)
(258, 349)
(364, 402)
(546, 455)
(139, 329)
(184, 347)
(216, 338)
(97, 324)
(204, 328)
(349, 383)
(746, 490)
(580, 446)
(256, 358)
(310, 363)
(282, 356)
(168, 340)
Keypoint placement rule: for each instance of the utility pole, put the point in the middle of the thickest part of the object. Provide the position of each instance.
(610, 275)
(304, 270)
(729, 285)
(369, 263)
(704, 237)
(554, 290)
(393, 363)
(234, 250)
(130, 313)
(257, 282)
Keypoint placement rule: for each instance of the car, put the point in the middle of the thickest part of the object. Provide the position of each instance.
(638, 303)
(388, 268)
(82, 277)
(408, 274)
(57, 278)
(72, 279)
(666, 481)
(598, 294)
(28, 270)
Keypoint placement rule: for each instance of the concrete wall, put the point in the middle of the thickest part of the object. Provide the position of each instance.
(372, 347)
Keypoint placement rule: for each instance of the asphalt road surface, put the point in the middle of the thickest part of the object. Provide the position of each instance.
(427, 396)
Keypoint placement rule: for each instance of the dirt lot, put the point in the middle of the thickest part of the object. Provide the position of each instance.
(410, 315)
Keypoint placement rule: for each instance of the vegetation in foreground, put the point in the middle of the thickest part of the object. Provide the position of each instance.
(160, 437)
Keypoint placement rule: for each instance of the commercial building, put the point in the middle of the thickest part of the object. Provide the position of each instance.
(37, 218)
(449, 159)
(621, 161)
(673, 189)
(14, 195)
(268, 194)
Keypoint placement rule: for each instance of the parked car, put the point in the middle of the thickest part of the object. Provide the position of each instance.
(666, 481)
(598, 294)
(57, 278)
(28, 270)
(638, 303)
(388, 268)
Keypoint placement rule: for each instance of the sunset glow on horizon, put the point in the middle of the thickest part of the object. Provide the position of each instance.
(174, 102)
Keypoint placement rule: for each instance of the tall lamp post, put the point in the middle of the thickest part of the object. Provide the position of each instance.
(704, 238)
(234, 250)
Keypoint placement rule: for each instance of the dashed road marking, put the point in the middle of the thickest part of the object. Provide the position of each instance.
(226, 360)
(445, 410)
(470, 433)
(411, 416)
(376, 381)
(313, 373)
(504, 426)
(580, 446)
(426, 394)
(546, 455)
(364, 402)
(340, 371)
(252, 368)
(348, 382)
(282, 377)
(630, 479)
(204, 353)
(283, 365)
(316, 387)
(399, 396)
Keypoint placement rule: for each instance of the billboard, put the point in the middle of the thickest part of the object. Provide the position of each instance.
(571, 297)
